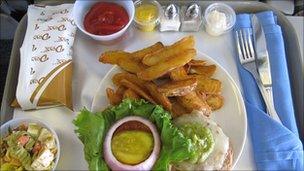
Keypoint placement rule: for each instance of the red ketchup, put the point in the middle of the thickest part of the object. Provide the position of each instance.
(105, 18)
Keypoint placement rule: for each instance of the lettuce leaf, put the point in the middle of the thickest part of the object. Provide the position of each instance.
(175, 146)
(92, 128)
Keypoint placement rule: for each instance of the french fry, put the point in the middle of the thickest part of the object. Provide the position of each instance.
(146, 51)
(112, 57)
(114, 99)
(178, 88)
(192, 102)
(209, 85)
(178, 109)
(215, 101)
(168, 52)
(158, 97)
(137, 90)
(130, 77)
(160, 69)
(178, 74)
(130, 65)
(207, 70)
(129, 93)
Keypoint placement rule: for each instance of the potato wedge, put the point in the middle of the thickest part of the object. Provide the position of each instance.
(168, 52)
(209, 85)
(178, 74)
(120, 91)
(178, 109)
(130, 65)
(159, 97)
(186, 41)
(201, 95)
(129, 93)
(112, 57)
(160, 69)
(195, 62)
(178, 88)
(114, 99)
(137, 90)
(146, 51)
(192, 102)
(130, 77)
(207, 70)
(215, 101)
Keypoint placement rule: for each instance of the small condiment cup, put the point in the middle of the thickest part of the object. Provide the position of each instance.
(147, 25)
(229, 13)
(82, 7)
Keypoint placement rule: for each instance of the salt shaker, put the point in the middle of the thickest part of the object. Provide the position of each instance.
(191, 17)
(170, 18)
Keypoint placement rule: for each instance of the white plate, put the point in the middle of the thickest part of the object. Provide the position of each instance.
(231, 117)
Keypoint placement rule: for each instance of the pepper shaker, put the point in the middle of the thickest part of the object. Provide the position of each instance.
(191, 17)
(170, 18)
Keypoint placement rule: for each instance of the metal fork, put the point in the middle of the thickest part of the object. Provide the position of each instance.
(248, 60)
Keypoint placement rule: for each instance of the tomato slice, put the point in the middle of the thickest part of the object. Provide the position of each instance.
(23, 139)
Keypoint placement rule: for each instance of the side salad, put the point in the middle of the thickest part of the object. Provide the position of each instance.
(28, 147)
(181, 143)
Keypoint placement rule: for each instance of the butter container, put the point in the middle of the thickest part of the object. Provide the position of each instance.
(147, 14)
(219, 19)
(170, 18)
(191, 17)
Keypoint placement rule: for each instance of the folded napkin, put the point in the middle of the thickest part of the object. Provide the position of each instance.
(276, 146)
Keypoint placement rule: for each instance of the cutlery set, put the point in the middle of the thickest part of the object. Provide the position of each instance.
(253, 55)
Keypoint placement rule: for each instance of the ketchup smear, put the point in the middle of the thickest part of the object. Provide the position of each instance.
(105, 18)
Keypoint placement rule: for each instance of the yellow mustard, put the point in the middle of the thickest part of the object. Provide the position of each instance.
(146, 16)
(132, 147)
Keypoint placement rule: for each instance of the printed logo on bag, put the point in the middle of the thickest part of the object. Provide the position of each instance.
(57, 49)
(45, 19)
(34, 48)
(36, 27)
(66, 19)
(44, 36)
(63, 39)
(36, 81)
(59, 28)
(65, 11)
(60, 61)
(42, 58)
(32, 71)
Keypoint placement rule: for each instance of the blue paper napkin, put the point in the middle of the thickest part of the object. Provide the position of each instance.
(276, 146)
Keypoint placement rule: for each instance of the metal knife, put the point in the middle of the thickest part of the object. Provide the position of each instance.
(263, 65)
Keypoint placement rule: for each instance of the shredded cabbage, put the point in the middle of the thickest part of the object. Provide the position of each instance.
(22, 155)
(33, 129)
(12, 139)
